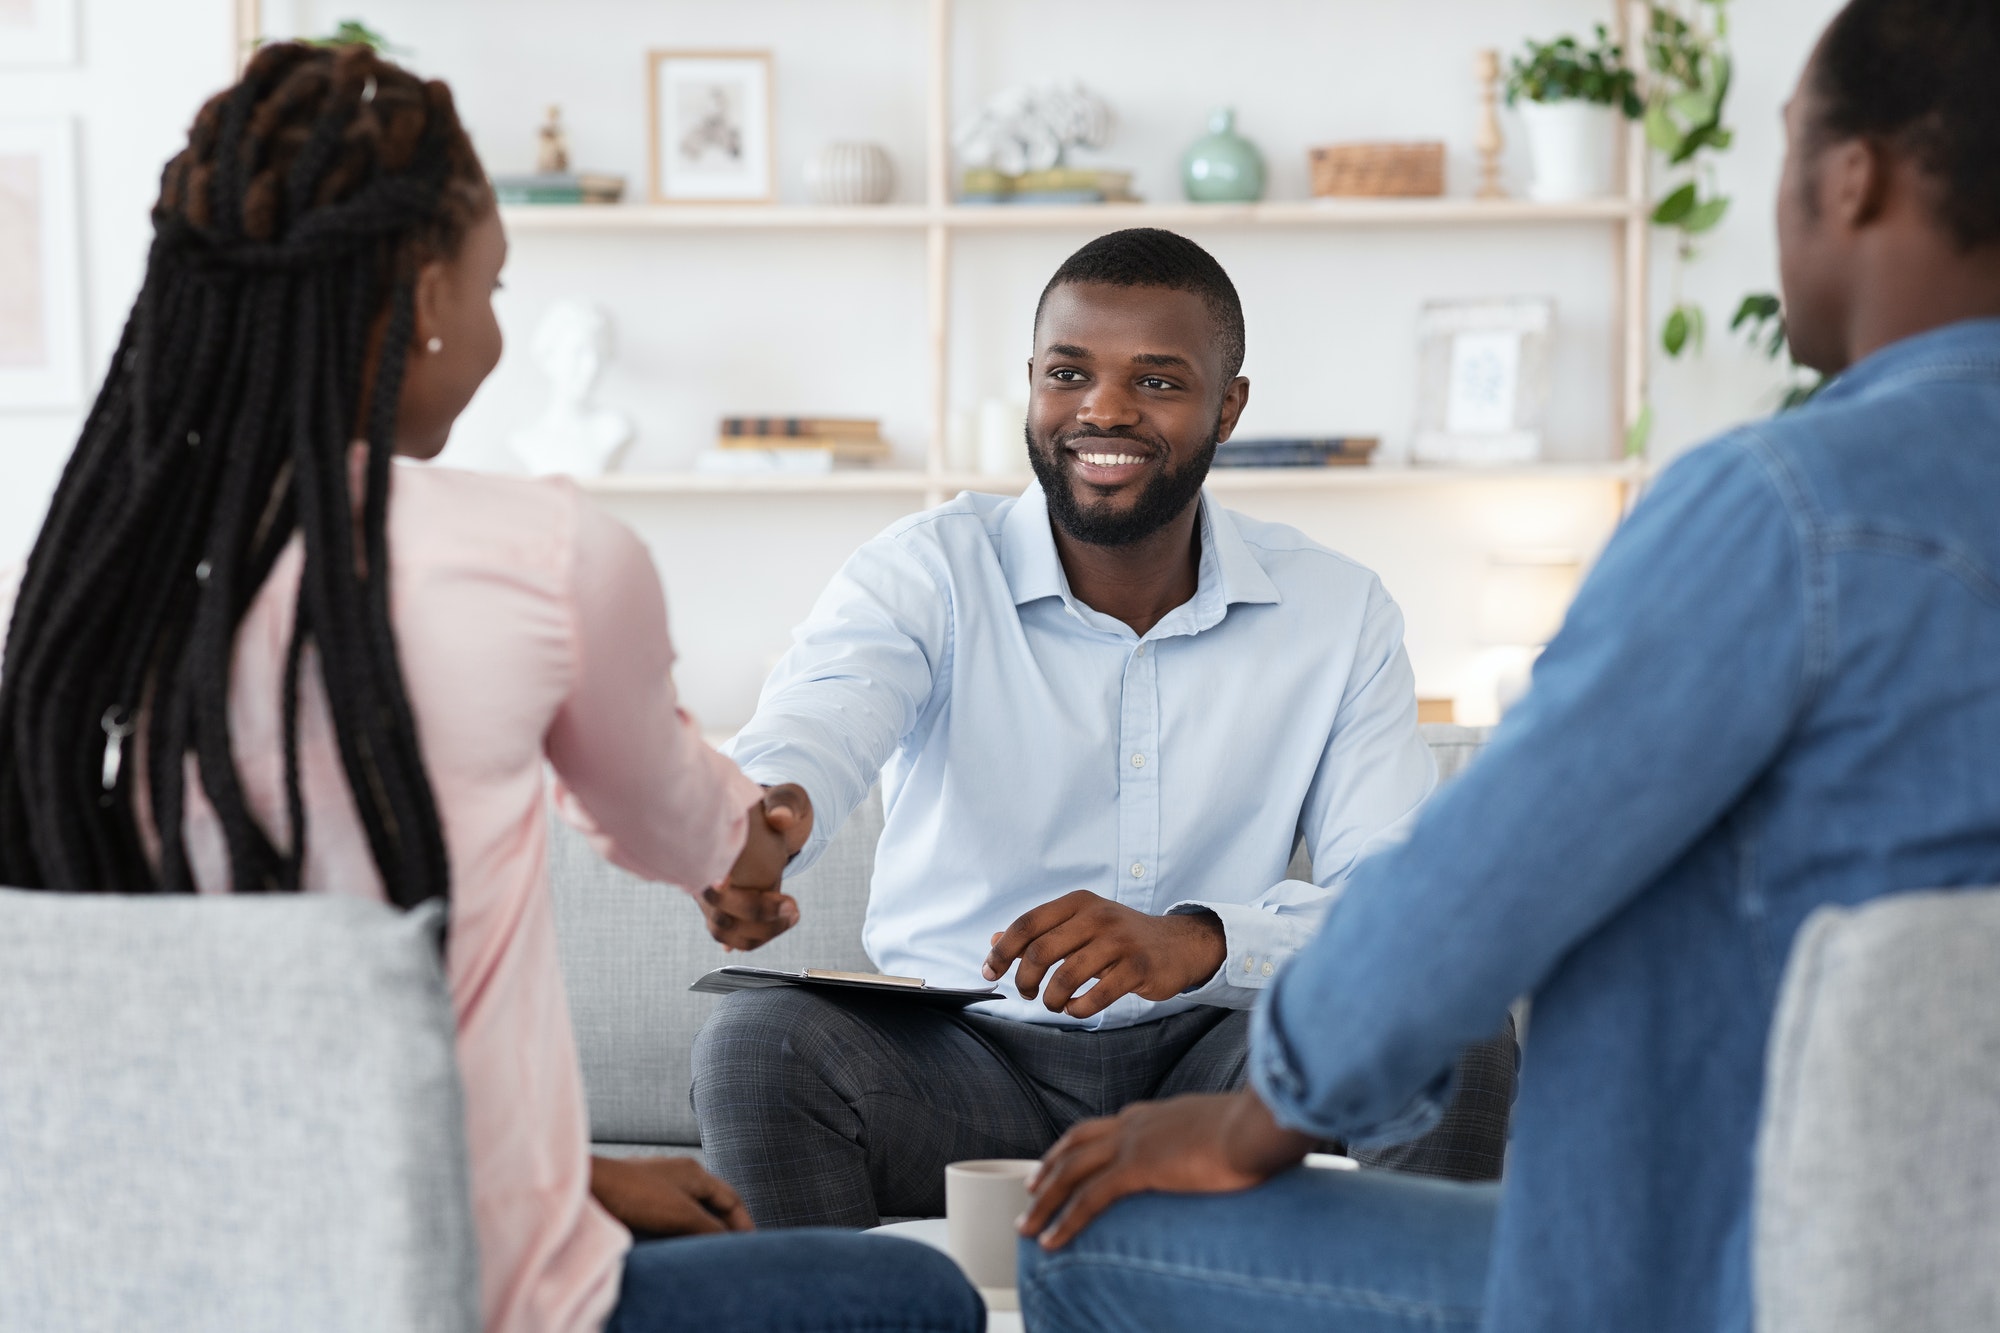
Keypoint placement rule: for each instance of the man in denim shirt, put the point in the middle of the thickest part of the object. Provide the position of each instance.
(1779, 689)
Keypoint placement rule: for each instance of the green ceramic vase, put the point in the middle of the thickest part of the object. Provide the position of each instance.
(1223, 167)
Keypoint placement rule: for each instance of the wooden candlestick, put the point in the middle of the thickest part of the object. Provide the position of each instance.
(1486, 66)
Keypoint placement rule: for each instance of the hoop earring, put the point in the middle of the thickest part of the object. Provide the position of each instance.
(434, 346)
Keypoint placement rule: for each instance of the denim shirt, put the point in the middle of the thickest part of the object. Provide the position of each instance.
(1780, 688)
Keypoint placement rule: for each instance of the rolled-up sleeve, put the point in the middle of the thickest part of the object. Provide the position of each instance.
(861, 672)
(1373, 777)
(633, 772)
(1674, 681)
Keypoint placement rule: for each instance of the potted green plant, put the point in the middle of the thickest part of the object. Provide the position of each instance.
(1571, 98)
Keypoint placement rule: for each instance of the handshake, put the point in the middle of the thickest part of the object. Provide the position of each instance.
(749, 907)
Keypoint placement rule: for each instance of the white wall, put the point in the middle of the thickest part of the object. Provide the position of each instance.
(835, 323)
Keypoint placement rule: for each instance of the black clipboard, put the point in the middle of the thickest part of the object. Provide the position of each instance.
(724, 980)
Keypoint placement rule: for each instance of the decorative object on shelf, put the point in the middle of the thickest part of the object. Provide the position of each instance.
(1222, 167)
(710, 127)
(1319, 451)
(1570, 97)
(850, 173)
(552, 146)
(1378, 170)
(572, 346)
(1033, 128)
(41, 300)
(1003, 446)
(37, 32)
(1057, 185)
(841, 440)
(566, 187)
(1489, 141)
(1483, 381)
(353, 32)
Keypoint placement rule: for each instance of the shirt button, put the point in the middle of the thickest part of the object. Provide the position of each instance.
(1266, 969)
(1249, 963)
(1140, 651)
(1138, 870)
(1138, 761)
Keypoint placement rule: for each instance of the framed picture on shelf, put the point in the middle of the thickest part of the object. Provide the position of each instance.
(710, 131)
(41, 299)
(1483, 381)
(37, 32)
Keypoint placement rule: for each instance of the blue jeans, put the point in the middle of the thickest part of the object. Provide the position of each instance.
(1332, 1251)
(794, 1282)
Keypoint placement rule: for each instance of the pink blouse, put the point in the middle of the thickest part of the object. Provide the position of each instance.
(532, 632)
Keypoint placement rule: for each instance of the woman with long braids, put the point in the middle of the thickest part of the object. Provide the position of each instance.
(250, 654)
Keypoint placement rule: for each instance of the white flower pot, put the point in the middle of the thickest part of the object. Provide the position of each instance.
(850, 173)
(1573, 146)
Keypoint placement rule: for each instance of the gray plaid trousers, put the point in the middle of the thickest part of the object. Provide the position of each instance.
(840, 1112)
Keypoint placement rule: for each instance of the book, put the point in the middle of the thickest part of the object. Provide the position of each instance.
(1058, 185)
(912, 990)
(1331, 451)
(867, 428)
(846, 448)
(558, 187)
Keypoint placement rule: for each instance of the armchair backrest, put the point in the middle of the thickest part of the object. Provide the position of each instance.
(1878, 1160)
(229, 1113)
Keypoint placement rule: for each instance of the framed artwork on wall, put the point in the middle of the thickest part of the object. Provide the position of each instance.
(37, 32)
(41, 298)
(1483, 381)
(710, 129)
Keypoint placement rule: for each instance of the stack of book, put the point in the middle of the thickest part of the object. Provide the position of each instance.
(1058, 185)
(793, 446)
(559, 187)
(1324, 451)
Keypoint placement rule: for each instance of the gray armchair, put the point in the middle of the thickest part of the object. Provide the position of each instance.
(229, 1113)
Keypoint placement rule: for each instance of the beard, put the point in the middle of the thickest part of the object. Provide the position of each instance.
(1166, 494)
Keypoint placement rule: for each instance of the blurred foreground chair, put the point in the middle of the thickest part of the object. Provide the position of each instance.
(229, 1113)
(1878, 1174)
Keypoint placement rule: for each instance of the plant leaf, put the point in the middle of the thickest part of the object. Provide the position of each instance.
(1675, 335)
(1755, 309)
(1661, 132)
(1641, 432)
(1675, 206)
(1704, 216)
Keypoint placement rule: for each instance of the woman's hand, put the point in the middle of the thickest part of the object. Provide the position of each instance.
(1210, 1143)
(749, 908)
(666, 1196)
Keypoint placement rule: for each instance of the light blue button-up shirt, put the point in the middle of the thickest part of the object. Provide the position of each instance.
(1029, 746)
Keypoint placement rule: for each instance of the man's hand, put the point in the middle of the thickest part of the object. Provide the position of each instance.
(1127, 951)
(1206, 1143)
(666, 1196)
(748, 908)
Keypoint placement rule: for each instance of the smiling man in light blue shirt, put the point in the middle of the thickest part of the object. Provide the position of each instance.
(1103, 715)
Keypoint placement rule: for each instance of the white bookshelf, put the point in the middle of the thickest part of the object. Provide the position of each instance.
(939, 222)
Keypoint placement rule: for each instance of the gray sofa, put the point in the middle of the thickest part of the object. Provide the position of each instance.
(631, 948)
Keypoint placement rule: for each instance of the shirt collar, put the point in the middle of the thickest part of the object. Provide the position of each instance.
(1229, 573)
(1967, 349)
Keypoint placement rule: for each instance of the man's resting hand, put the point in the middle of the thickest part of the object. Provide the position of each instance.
(749, 908)
(1127, 951)
(1202, 1143)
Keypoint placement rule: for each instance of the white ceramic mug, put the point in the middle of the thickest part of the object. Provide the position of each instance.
(981, 1201)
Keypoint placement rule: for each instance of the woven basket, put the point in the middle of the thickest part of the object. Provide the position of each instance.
(1378, 169)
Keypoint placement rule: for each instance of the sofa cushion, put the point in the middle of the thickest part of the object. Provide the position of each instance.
(1878, 1189)
(630, 949)
(229, 1113)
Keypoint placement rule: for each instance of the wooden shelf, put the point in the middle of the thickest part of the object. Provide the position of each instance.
(1222, 480)
(597, 219)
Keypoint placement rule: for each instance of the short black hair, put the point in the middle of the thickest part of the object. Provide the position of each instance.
(1150, 257)
(1920, 73)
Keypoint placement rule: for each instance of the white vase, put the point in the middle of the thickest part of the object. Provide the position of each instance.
(1573, 146)
(850, 173)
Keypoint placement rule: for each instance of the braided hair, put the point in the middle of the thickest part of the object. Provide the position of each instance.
(270, 334)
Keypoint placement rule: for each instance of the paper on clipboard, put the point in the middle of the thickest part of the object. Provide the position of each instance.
(736, 977)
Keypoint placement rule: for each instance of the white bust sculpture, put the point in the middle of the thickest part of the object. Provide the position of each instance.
(572, 346)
